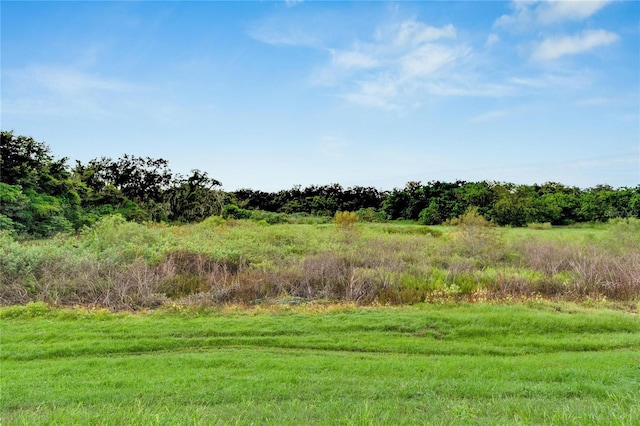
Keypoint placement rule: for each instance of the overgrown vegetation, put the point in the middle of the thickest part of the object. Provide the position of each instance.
(125, 265)
(214, 277)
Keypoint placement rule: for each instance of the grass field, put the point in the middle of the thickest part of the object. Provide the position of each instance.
(524, 363)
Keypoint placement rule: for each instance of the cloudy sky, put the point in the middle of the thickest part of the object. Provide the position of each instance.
(268, 95)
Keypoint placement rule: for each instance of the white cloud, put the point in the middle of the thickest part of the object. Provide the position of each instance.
(68, 81)
(551, 12)
(395, 65)
(556, 47)
(379, 93)
(412, 33)
(554, 81)
(429, 58)
(353, 59)
(49, 90)
(275, 33)
(291, 3)
(528, 14)
(491, 115)
(491, 40)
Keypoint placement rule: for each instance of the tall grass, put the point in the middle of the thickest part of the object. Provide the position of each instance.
(124, 265)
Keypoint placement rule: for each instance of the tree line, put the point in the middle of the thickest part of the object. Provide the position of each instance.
(41, 195)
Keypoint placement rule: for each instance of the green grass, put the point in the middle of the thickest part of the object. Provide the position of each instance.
(539, 363)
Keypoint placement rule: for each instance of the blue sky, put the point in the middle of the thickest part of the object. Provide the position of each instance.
(268, 95)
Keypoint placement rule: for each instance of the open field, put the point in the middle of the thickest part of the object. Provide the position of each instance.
(534, 363)
(130, 266)
(240, 321)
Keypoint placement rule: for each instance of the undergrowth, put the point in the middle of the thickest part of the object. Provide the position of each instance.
(129, 266)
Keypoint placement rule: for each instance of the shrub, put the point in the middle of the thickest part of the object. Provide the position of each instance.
(540, 226)
(345, 220)
(371, 215)
(477, 240)
(270, 218)
(412, 230)
(213, 222)
(471, 217)
(549, 257)
(114, 238)
(231, 211)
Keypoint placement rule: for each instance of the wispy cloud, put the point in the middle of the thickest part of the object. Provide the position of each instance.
(556, 47)
(277, 36)
(491, 115)
(491, 40)
(555, 80)
(551, 12)
(59, 91)
(414, 33)
(528, 14)
(67, 81)
(596, 101)
(289, 29)
(380, 93)
(405, 61)
(400, 61)
(353, 59)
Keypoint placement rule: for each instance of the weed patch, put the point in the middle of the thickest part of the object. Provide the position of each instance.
(121, 265)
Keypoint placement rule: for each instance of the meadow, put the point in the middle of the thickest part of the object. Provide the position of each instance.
(320, 322)
(536, 362)
(124, 265)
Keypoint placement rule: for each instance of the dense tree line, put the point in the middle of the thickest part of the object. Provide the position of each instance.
(41, 195)
(510, 204)
(314, 200)
(436, 202)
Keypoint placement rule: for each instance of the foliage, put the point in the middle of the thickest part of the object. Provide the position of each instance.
(37, 194)
(316, 200)
(194, 198)
(345, 220)
(534, 225)
(41, 196)
(29, 164)
(231, 211)
(371, 215)
(126, 265)
(470, 218)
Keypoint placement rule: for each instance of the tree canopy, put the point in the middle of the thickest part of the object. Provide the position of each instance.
(41, 195)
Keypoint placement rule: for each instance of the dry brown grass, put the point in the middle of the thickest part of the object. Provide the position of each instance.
(358, 267)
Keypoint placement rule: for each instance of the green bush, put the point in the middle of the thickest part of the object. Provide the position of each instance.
(371, 215)
(269, 217)
(115, 238)
(470, 218)
(231, 211)
(7, 225)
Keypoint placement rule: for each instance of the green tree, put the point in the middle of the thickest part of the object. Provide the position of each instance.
(510, 207)
(38, 194)
(194, 198)
(29, 164)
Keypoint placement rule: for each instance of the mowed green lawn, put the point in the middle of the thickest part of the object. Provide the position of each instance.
(535, 363)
